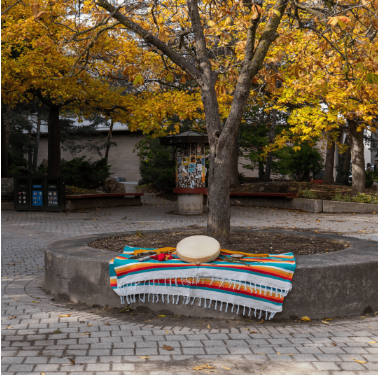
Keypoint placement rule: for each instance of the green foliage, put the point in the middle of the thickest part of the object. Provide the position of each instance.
(157, 164)
(254, 136)
(84, 174)
(359, 198)
(307, 194)
(371, 176)
(299, 164)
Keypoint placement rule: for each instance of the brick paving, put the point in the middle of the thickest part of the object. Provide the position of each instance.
(37, 339)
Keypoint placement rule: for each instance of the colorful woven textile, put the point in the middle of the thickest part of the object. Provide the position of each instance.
(256, 285)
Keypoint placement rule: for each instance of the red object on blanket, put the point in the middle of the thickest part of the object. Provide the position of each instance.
(162, 257)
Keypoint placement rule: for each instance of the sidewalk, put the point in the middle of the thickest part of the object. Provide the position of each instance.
(37, 339)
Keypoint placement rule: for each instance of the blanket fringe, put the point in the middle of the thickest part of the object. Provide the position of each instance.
(186, 300)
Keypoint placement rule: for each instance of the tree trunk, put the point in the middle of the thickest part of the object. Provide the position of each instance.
(346, 166)
(272, 134)
(330, 161)
(30, 151)
(5, 128)
(234, 164)
(261, 171)
(358, 161)
(53, 168)
(109, 138)
(36, 144)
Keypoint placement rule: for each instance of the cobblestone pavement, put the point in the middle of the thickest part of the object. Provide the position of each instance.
(38, 339)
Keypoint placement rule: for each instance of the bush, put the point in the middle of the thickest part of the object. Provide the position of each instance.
(307, 194)
(157, 164)
(359, 198)
(300, 164)
(371, 176)
(84, 174)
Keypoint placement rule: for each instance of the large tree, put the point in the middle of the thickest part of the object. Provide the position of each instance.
(190, 34)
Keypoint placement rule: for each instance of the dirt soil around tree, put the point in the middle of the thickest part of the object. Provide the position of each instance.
(245, 241)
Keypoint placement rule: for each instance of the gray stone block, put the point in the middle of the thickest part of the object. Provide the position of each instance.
(349, 207)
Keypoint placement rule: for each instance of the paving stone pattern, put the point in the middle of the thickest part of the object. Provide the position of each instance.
(37, 339)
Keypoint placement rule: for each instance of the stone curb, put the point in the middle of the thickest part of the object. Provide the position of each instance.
(336, 284)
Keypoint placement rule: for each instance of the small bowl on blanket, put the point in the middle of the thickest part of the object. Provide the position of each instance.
(198, 249)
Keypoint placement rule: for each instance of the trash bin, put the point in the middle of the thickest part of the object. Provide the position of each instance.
(55, 194)
(38, 192)
(22, 193)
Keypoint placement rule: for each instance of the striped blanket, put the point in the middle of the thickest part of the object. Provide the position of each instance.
(253, 286)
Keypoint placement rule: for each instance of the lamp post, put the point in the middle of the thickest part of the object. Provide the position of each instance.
(190, 169)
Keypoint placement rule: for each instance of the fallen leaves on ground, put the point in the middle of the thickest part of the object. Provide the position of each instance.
(72, 360)
(89, 325)
(107, 324)
(372, 342)
(167, 347)
(203, 367)
(85, 333)
(356, 360)
(64, 316)
(376, 312)
(35, 302)
(261, 321)
(166, 331)
(161, 316)
(13, 317)
(260, 353)
(252, 332)
(334, 344)
(278, 353)
(323, 321)
(227, 368)
(144, 357)
(306, 319)
(208, 326)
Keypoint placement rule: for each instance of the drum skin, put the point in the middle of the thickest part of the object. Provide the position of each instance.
(198, 249)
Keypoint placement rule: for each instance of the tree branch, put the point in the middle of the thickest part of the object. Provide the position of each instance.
(149, 38)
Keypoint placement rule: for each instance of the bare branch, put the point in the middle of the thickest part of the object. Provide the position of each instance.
(11, 6)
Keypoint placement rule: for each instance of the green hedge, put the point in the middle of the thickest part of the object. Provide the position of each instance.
(84, 174)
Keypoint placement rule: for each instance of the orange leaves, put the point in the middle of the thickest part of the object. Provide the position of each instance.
(273, 12)
(256, 10)
(35, 10)
(341, 21)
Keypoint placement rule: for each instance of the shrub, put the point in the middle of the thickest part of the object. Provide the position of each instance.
(300, 164)
(307, 194)
(84, 174)
(359, 198)
(157, 164)
(371, 176)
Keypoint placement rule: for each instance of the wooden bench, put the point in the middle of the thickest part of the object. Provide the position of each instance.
(204, 192)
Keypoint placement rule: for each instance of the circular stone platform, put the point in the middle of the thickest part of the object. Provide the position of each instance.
(337, 284)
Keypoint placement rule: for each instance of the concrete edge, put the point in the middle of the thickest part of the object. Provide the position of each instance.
(349, 207)
(340, 284)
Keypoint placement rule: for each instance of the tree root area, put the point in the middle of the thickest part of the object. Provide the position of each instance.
(245, 241)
